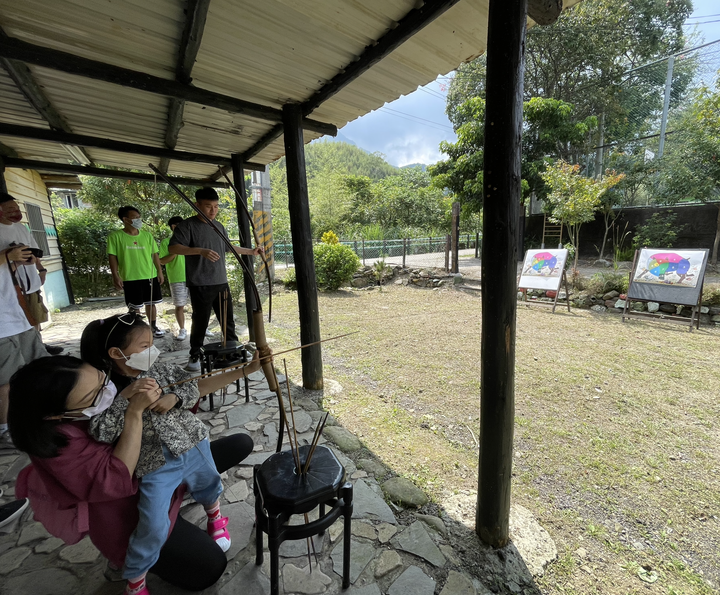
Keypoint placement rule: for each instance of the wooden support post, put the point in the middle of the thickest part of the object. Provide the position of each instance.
(455, 237)
(404, 250)
(244, 229)
(501, 198)
(477, 245)
(299, 208)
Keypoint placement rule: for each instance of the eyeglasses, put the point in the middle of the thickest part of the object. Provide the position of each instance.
(95, 402)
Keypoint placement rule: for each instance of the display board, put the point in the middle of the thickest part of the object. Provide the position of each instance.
(543, 269)
(668, 276)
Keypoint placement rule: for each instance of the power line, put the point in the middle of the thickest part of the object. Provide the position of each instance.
(418, 118)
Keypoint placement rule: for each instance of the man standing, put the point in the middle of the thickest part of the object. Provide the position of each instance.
(135, 265)
(205, 269)
(20, 343)
(30, 275)
(175, 268)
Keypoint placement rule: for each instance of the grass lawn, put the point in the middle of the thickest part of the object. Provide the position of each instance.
(617, 442)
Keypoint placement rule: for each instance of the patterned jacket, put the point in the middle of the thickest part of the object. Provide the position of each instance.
(178, 429)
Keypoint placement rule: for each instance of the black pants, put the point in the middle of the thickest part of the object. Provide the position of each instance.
(190, 558)
(206, 299)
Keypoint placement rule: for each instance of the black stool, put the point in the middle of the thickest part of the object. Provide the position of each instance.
(217, 355)
(280, 492)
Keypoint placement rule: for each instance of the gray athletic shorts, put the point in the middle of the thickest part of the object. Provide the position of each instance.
(18, 350)
(179, 294)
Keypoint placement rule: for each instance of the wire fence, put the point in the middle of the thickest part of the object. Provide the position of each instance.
(429, 252)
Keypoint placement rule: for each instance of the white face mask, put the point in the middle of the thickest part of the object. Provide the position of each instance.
(109, 392)
(144, 360)
(136, 223)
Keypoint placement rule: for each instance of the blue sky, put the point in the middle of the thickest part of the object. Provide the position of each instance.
(409, 129)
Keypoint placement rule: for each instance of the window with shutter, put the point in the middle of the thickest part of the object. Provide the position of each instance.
(37, 227)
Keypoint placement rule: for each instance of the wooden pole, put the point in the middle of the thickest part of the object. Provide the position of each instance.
(238, 171)
(477, 245)
(455, 237)
(447, 253)
(503, 124)
(299, 208)
(404, 250)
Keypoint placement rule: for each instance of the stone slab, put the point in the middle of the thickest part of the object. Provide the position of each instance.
(371, 589)
(239, 416)
(82, 552)
(533, 542)
(387, 562)
(403, 491)
(301, 580)
(345, 440)
(240, 527)
(368, 505)
(360, 555)
(49, 581)
(49, 545)
(415, 540)
(13, 559)
(32, 532)
(263, 395)
(236, 492)
(298, 548)
(303, 422)
(249, 581)
(458, 584)
(412, 582)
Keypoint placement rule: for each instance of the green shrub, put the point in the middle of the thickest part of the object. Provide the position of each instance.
(711, 295)
(335, 265)
(290, 280)
(83, 236)
(660, 231)
(605, 281)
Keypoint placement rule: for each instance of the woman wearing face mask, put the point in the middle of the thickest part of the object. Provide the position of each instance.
(175, 448)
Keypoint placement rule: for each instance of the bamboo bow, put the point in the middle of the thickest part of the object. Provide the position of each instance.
(257, 315)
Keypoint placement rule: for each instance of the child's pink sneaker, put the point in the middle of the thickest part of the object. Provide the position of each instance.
(217, 530)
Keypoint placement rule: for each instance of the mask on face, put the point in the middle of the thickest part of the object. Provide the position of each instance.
(144, 360)
(108, 394)
(136, 223)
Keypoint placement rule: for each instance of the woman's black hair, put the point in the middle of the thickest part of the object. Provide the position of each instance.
(101, 335)
(37, 391)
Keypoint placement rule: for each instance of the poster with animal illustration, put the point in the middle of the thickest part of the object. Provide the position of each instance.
(542, 269)
(668, 275)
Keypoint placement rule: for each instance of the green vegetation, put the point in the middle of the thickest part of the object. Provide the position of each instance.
(335, 263)
(660, 231)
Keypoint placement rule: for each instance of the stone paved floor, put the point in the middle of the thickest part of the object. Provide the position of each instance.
(394, 551)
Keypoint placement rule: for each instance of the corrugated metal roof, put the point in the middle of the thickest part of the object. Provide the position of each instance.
(271, 52)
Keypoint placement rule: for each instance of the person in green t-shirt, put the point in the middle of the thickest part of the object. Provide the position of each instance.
(135, 265)
(175, 268)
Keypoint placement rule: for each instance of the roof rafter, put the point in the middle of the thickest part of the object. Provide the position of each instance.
(49, 166)
(115, 145)
(189, 46)
(16, 49)
(26, 83)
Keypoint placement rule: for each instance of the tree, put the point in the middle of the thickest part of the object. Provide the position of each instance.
(573, 198)
(690, 167)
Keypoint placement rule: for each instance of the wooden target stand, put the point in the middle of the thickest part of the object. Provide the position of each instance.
(554, 303)
(682, 296)
(530, 279)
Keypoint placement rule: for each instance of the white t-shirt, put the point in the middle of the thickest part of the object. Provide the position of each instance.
(27, 275)
(12, 318)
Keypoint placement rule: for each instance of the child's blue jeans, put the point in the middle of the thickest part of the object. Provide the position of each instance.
(196, 469)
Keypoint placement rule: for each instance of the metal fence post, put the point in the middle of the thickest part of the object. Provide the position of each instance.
(404, 250)
(363, 251)
(477, 245)
(447, 253)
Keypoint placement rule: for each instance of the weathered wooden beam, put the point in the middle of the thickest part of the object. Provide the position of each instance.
(238, 173)
(196, 16)
(28, 86)
(269, 137)
(16, 49)
(65, 138)
(299, 208)
(545, 12)
(101, 172)
(501, 201)
(408, 26)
